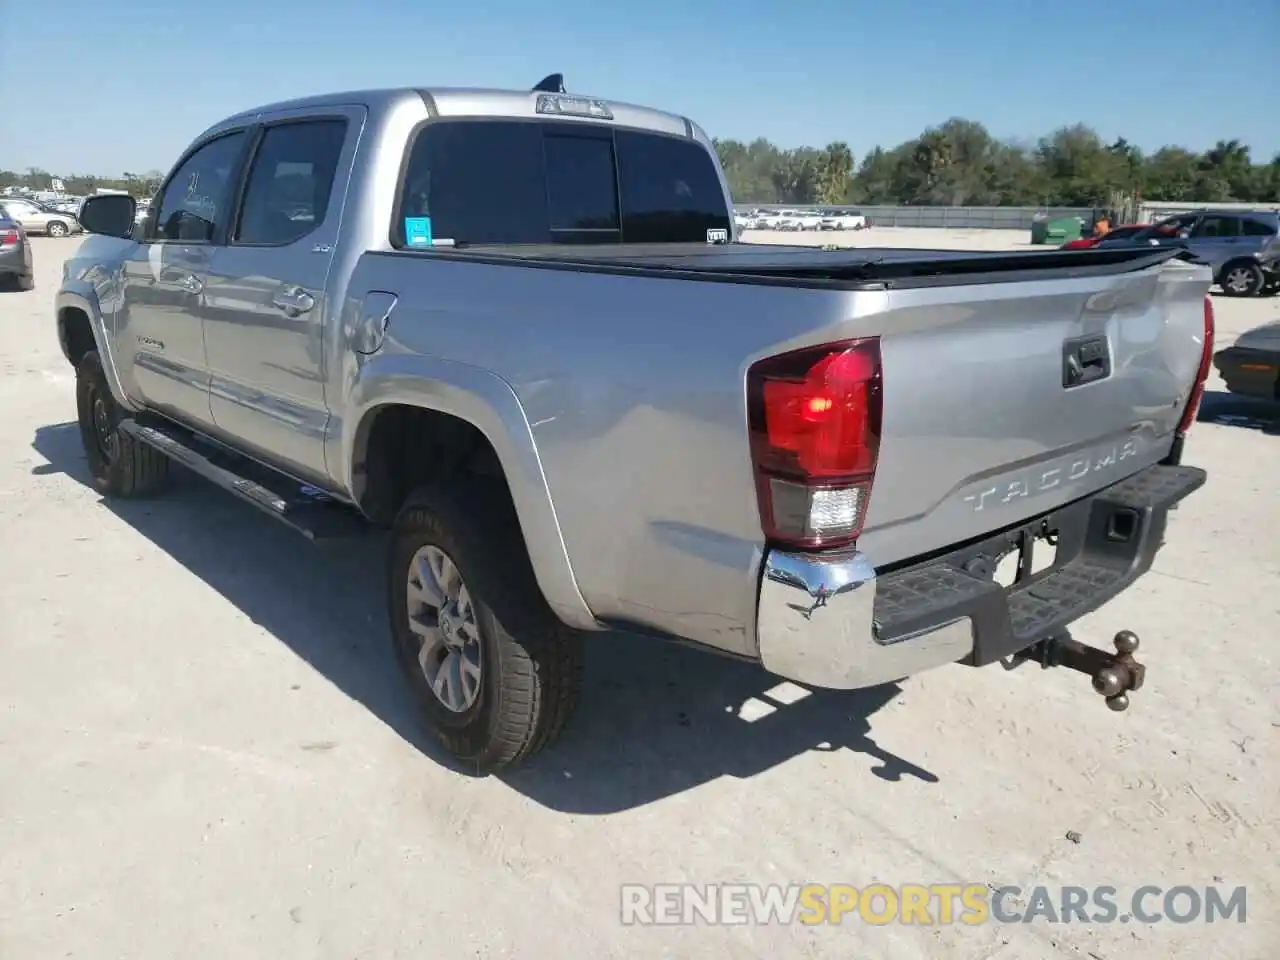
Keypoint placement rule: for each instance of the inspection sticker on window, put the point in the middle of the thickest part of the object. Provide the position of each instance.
(717, 236)
(417, 231)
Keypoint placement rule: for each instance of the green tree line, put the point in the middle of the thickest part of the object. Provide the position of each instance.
(960, 163)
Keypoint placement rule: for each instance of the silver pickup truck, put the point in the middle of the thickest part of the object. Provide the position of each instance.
(516, 329)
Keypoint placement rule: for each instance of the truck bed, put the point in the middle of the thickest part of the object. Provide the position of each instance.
(860, 268)
(633, 385)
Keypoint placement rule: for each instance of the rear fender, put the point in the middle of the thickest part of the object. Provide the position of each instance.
(488, 403)
(80, 295)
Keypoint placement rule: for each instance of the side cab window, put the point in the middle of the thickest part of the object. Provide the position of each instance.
(195, 203)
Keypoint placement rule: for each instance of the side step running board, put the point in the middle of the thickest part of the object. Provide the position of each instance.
(317, 517)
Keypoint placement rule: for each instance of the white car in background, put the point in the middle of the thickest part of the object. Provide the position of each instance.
(808, 219)
(843, 219)
(764, 219)
(69, 205)
(794, 220)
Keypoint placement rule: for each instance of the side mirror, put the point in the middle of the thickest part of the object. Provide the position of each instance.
(110, 214)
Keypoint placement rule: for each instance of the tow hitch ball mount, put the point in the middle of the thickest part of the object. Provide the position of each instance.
(1114, 675)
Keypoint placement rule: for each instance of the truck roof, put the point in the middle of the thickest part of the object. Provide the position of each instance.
(468, 102)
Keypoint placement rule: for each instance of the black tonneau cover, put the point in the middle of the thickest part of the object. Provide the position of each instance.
(814, 266)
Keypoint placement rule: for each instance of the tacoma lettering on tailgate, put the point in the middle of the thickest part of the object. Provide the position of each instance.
(1042, 479)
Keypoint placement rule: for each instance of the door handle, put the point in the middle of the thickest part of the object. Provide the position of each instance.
(294, 301)
(191, 284)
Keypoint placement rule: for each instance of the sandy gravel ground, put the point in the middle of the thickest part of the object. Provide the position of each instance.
(205, 751)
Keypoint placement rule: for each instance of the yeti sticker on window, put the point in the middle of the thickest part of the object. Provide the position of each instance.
(717, 236)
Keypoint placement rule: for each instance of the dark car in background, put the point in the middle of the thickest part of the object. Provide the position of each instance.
(1250, 367)
(15, 256)
(1240, 245)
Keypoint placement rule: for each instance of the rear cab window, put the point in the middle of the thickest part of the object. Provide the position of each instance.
(494, 182)
(290, 182)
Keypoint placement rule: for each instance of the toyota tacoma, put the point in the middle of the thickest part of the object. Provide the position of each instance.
(516, 329)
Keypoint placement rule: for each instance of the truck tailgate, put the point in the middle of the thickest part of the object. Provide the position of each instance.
(1004, 401)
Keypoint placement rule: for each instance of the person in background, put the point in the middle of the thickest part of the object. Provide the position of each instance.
(1101, 226)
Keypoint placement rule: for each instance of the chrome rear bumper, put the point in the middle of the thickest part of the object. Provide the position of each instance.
(827, 620)
(816, 625)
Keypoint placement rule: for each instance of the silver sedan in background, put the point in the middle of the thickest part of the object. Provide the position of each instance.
(37, 218)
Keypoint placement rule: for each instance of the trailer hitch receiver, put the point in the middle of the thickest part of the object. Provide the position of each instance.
(1114, 675)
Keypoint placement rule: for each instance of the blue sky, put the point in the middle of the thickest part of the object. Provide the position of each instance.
(102, 88)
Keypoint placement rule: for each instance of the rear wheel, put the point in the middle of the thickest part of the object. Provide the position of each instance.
(1242, 279)
(496, 674)
(57, 228)
(121, 465)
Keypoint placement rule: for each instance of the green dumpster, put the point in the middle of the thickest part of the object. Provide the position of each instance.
(1061, 230)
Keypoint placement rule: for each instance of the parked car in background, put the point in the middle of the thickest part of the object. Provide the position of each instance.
(842, 218)
(1114, 235)
(1240, 246)
(1251, 366)
(799, 220)
(69, 205)
(15, 255)
(37, 218)
(771, 219)
(789, 218)
(782, 220)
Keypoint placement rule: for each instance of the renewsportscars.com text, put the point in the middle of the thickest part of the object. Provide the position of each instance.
(926, 904)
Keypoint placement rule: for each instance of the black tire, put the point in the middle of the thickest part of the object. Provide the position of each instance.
(57, 228)
(1242, 278)
(121, 465)
(27, 281)
(531, 662)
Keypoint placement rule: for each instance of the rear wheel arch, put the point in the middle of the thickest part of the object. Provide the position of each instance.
(398, 447)
(466, 402)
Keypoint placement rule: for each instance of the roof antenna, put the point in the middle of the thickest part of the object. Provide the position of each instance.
(551, 83)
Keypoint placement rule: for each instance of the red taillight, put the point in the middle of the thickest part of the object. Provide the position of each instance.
(1206, 358)
(814, 416)
(8, 236)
